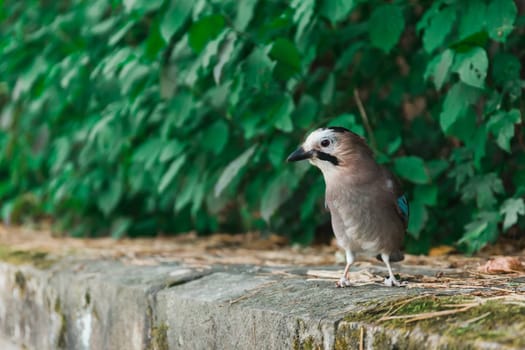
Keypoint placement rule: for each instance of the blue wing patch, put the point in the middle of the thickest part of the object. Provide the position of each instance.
(402, 204)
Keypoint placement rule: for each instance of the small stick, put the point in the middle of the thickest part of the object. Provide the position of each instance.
(362, 339)
(475, 319)
(401, 304)
(427, 315)
(252, 292)
(365, 119)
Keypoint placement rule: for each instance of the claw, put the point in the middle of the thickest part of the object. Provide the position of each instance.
(342, 283)
(392, 281)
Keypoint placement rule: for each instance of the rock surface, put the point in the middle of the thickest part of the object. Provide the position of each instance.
(104, 302)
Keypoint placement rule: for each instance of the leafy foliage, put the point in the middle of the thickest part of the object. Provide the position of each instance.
(134, 117)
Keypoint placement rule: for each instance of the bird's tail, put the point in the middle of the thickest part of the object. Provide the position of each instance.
(394, 257)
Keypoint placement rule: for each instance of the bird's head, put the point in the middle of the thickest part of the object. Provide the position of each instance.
(331, 149)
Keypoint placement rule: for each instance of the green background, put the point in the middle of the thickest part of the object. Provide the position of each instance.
(138, 117)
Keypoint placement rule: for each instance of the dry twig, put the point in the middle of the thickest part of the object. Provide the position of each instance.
(252, 292)
(475, 319)
(428, 315)
(362, 338)
(365, 119)
(401, 304)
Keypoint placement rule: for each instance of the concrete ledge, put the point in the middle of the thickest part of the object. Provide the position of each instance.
(94, 304)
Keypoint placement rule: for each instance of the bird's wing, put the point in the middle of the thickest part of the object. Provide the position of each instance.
(403, 209)
(400, 200)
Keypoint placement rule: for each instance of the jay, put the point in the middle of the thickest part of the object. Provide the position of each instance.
(368, 209)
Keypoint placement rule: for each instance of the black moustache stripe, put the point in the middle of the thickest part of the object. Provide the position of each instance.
(339, 129)
(328, 157)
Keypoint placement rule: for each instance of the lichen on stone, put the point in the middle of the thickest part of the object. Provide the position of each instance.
(61, 342)
(304, 343)
(25, 257)
(492, 320)
(20, 281)
(159, 337)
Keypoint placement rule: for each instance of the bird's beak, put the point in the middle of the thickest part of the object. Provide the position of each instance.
(299, 154)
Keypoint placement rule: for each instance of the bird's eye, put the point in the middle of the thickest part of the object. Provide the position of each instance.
(325, 143)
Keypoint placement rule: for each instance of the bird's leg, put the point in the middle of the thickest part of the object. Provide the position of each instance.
(344, 282)
(391, 280)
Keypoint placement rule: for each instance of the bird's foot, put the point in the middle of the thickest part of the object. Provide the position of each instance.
(342, 283)
(392, 281)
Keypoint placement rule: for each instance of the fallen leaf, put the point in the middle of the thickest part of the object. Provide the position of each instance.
(441, 250)
(355, 277)
(502, 264)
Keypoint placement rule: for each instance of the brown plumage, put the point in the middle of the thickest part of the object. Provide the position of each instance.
(368, 210)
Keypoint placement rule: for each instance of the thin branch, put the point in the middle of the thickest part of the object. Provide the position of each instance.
(402, 303)
(427, 315)
(365, 120)
(475, 319)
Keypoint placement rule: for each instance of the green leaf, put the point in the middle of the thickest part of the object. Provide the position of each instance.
(232, 170)
(245, 11)
(505, 68)
(281, 113)
(501, 15)
(439, 68)
(205, 30)
(198, 194)
(116, 37)
(483, 188)
(461, 173)
(313, 199)
(472, 20)
(436, 167)
(510, 209)
(170, 174)
(394, 145)
(477, 143)
(217, 96)
(426, 194)
(328, 89)
(170, 150)
(188, 188)
(305, 112)
(212, 49)
(483, 230)
(304, 9)
(348, 55)
(501, 125)
(472, 67)
(438, 29)
(119, 227)
(336, 10)
(276, 150)
(459, 97)
(275, 195)
(132, 75)
(385, 26)
(412, 168)
(7, 211)
(224, 56)
(418, 218)
(175, 17)
(181, 106)
(215, 137)
(430, 13)
(258, 69)
(142, 6)
(285, 52)
(148, 152)
(155, 43)
(109, 198)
